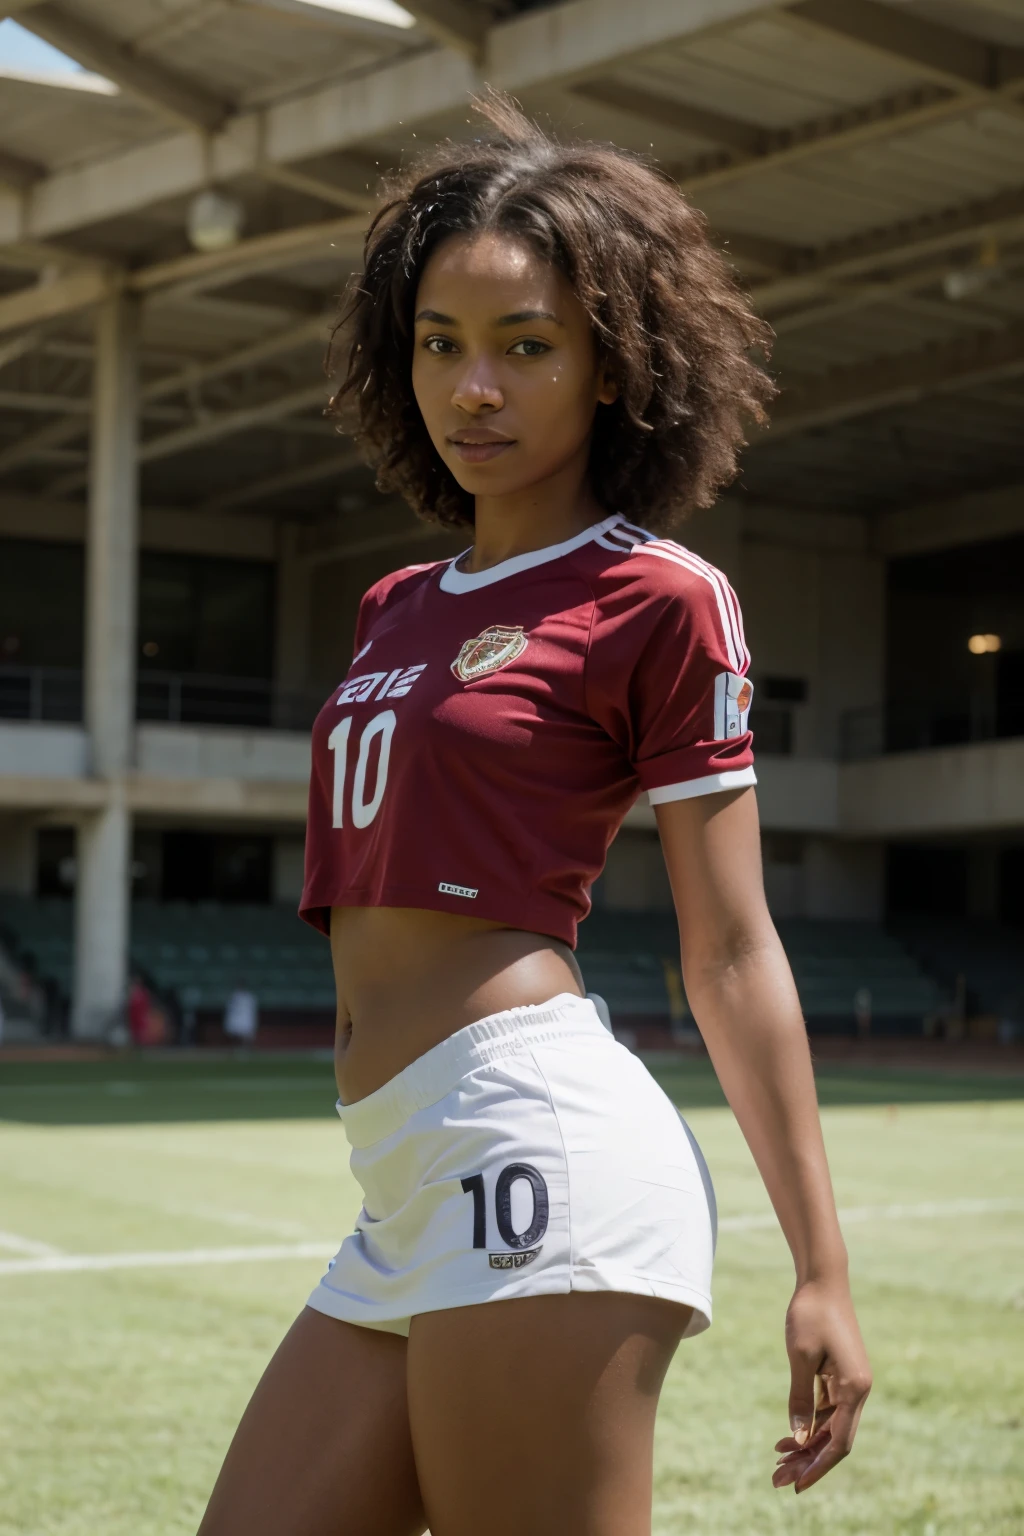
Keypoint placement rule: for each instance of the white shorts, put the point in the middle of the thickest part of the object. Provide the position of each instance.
(530, 1154)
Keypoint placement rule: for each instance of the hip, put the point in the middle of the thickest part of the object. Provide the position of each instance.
(528, 1153)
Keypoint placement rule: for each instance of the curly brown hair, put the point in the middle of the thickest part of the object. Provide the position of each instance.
(672, 324)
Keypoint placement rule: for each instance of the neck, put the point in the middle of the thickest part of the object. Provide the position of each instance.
(544, 514)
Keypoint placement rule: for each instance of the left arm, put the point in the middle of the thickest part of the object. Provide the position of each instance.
(741, 990)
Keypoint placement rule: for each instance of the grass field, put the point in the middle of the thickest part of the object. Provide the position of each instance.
(119, 1386)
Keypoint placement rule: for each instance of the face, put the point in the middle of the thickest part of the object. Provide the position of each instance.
(505, 367)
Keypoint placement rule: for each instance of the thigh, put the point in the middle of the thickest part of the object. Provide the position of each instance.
(323, 1448)
(538, 1414)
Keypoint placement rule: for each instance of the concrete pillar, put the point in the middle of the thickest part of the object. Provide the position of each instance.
(103, 891)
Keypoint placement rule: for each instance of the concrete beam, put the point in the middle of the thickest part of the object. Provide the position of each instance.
(335, 463)
(19, 173)
(955, 58)
(209, 430)
(155, 86)
(329, 192)
(221, 798)
(18, 346)
(743, 138)
(182, 380)
(183, 276)
(884, 383)
(555, 45)
(48, 300)
(458, 24)
(29, 792)
(168, 528)
(996, 514)
(948, 790)
(999, 217)
(918, 107)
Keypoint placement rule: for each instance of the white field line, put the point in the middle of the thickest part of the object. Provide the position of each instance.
(65, 1263)
(15, 1243)
(926, 1210)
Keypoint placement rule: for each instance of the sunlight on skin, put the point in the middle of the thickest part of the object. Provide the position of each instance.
(507, 378)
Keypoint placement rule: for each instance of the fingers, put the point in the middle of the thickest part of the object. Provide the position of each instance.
(804, 1463)
(842, 1429)
(801, 1396)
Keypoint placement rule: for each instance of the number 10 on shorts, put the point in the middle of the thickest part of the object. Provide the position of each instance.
(524, 1246)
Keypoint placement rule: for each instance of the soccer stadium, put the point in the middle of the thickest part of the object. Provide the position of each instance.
(184, 541)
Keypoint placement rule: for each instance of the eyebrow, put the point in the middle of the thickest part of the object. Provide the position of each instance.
(519, 318)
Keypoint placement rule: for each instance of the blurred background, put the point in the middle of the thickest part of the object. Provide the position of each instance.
(184, 540)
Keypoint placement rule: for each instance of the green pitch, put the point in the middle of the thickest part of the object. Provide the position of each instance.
(120, 1385)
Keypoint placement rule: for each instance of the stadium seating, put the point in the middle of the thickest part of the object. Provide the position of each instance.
(988, 955)
(196, 954)
(622, 955)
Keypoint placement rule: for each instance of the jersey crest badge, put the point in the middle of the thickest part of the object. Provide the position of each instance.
(491, 650)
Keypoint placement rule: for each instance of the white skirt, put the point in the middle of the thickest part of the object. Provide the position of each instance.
(530, 1154)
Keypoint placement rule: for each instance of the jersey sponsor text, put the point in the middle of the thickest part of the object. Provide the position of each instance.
(394, 685)
(447, 889)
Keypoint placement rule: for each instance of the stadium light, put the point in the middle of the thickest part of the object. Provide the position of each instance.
(214, 221)
(961, 282)
(384, 11)
(982, 645)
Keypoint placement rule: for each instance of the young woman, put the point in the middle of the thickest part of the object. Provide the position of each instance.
(544, 349)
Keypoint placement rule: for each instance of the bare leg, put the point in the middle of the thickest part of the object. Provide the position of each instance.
(538, 1414)
(323, 1448)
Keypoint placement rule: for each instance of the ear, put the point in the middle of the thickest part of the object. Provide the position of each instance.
(607, 389)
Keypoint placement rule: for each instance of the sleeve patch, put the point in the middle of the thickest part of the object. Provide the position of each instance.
(733, 697)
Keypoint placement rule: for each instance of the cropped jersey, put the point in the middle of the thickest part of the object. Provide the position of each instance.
(495, 727)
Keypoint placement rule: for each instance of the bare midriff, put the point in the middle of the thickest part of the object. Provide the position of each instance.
(407, 979)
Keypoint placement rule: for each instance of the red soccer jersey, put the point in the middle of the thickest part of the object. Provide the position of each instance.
(494, 728)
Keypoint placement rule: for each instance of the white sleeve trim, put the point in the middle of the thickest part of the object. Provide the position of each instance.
(711, 784)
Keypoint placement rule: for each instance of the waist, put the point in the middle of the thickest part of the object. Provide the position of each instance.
(432, 1076)
(408, 979)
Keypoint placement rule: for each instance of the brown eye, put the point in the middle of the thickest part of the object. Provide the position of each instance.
(529, 347)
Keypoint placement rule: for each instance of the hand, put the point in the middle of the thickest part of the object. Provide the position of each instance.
(823, 1342)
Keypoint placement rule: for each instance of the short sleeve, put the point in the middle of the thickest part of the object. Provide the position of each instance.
(375, 599)
(369, 607)
(667, 675)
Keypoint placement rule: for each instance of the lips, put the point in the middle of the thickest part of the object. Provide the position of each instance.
(481, 452)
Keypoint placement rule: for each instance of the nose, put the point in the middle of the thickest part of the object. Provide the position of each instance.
(477, 388)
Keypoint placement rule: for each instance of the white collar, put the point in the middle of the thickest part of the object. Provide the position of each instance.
(454, 580)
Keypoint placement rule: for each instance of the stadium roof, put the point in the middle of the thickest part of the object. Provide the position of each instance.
(863, 163)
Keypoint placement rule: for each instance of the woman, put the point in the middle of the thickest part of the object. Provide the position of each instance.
(543, 348)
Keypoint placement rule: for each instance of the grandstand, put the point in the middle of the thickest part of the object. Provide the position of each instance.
(183, 539)
(195, 954)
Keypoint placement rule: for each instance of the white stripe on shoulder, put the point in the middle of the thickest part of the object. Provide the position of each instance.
(620, 536)
(667, 549)
(641, 533)
(615, 540)
(732, 599)
(721, 585)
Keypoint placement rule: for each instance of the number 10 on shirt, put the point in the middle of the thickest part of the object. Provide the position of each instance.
(363, 810)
